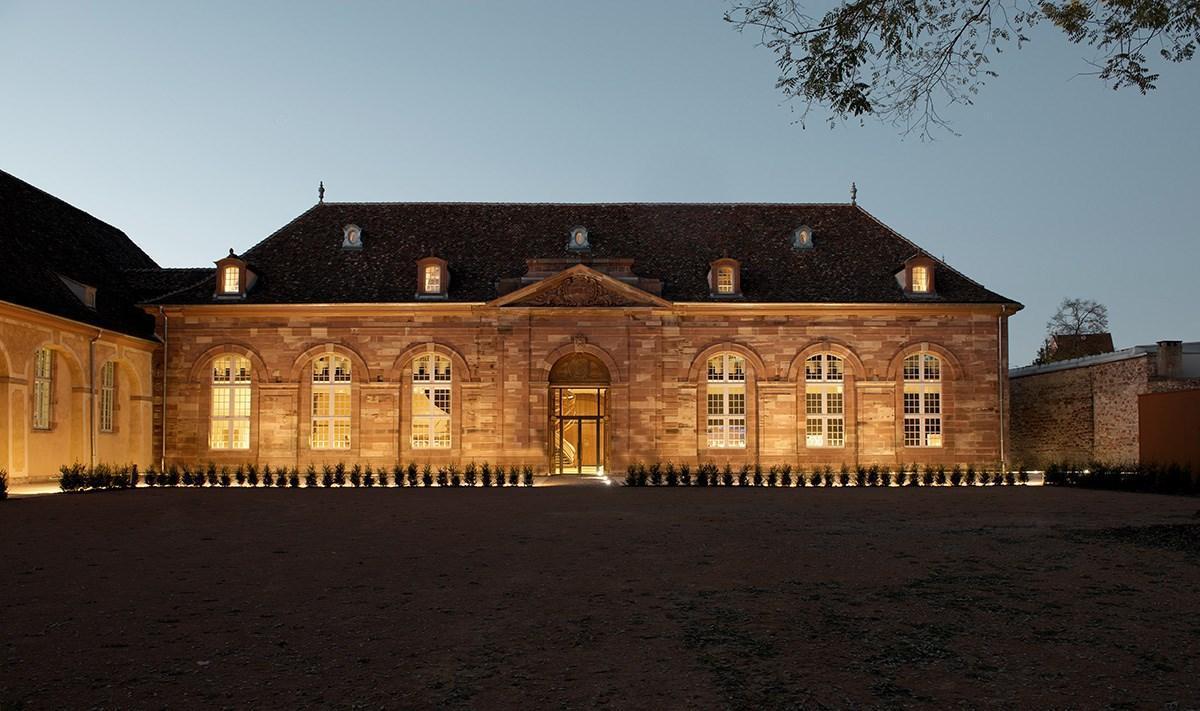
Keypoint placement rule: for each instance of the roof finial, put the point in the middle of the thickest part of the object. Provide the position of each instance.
(853, 193)
(321, 192)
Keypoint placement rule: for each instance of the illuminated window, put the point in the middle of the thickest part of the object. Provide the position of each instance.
(824, 401)
(431, 402)
(724, 280)
(229, 426)
(727, 401)
(922, 400)
(331, 402)
(107, 395)
(231, 280)
(920, 279)
(433, 279)
(43, 387)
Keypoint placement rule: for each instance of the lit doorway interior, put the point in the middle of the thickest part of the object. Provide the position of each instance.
(578, 415)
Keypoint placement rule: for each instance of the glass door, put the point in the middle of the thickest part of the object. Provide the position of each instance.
(577, 429)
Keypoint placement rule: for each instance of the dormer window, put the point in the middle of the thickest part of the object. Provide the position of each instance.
(433, 279)
(351, 237)
(578, 241)
(920, 280)
(231, 280)
(725, 278)
(802, 238)
(234, 278)
(918, 277)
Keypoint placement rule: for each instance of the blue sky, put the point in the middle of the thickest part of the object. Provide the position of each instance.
(196, 127)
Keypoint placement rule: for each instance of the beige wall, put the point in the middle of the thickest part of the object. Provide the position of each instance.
(29, 454)
(655, 356)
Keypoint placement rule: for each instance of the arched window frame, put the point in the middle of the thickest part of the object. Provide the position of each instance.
(108, 396)
(921, 400)
(725, 401)
(432, 425)
(824, 401)
(331, 402)
(231, 397)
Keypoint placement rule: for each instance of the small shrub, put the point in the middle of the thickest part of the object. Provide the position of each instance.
(398, 474)
(226, 480)
(885, 476)
(3, 484)
(685, 475)
(656, 476)
(355, 476)
(268, 476)
(164, 478)
(71, 478)
(702, 475)
(310, 476)
(293, 478)
(844, 476)
(239, 474)
(641, 474)
(972, 476)
(672, 475)
(339, 474)
(485, 473)
(455, 475)
(252, 475)
(527, 475)
(956, 476)
(470, 474)
(816, 477)
(381, 477)
(443, 477)
(860, 476)
(900, 476)
(369, 476)
(134, 477)
(758, 475)
(998, 478)
(941, 476)
(211, 474)
(631, 475)
(427, 475)
(785, 476)
(927, 476)
(500, 474)
(743, 478)
(828, 475)
(411, 474)
(327, 476)
(185, 476)
(513, 479)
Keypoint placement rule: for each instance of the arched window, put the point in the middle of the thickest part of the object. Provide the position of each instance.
(108, 392)
(727, 401)
(824, 401)
(230, 421)
(431, 402)
(331, 402)
(43, 387)
(922, 400)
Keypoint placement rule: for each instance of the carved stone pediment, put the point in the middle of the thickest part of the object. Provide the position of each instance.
(580, 287)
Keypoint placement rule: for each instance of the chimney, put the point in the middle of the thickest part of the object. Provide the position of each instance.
(1169, 359)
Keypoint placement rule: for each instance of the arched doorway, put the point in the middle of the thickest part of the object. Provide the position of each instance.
(578, 415)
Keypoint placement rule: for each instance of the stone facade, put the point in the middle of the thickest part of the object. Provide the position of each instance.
(655, 355)
(29, 453)
(1086, 410)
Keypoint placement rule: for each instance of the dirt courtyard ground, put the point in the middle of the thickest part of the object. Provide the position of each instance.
(572, 597)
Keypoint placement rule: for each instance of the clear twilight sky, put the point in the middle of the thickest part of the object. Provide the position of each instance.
(200, 126)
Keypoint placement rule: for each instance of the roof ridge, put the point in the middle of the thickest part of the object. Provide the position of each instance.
(585, 204)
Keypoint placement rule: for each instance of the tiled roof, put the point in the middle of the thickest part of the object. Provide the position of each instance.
(44, 237)
(1069, 345)
(855, 257)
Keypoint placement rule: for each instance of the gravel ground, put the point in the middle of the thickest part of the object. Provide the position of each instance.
(573, 597)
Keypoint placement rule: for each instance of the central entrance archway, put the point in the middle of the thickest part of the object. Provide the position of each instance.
(578, 415)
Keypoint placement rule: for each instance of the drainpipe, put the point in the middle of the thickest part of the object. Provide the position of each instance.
(1000, 376)
(162, 460)
(92, 396)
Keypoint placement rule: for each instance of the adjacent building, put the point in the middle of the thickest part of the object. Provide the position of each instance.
(1087, 409)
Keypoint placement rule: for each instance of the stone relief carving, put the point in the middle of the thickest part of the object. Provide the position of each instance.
(579, 290)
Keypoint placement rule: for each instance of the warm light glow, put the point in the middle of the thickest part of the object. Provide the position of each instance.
(230, 414)
(43, 387)
(433, 279)
(824, 402)
(724, 280)
(920, 279)
(431, 380)
(231, 280)
(107, 395)
(726, 397)
(922, 400)
(331, 402)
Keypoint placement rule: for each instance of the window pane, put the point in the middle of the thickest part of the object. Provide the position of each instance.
(837, 432)
(441, 432)
(812, 368)
(912, 432)
(420, 433)
(241, 401)
(833, 403)
(320, 402)
(933, 367)
(933, 403)
(341, 431)
(716, 404)
(219, 435)
(341, 402)
(812, 403)
(737, 403)
(716, 369)
(833, 366)
(912, 367)
(320, 434)
(912, 403)
(240, 437)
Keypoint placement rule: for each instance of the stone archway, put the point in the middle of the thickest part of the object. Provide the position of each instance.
(579, 414)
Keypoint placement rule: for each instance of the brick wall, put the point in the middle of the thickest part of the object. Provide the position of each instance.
(502, 357)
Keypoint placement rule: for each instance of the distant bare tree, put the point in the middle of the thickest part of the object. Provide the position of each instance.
(1075, 317)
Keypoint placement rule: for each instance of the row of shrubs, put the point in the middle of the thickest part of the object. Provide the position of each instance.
(1152, 478)
(77, 477)
(657, 474)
